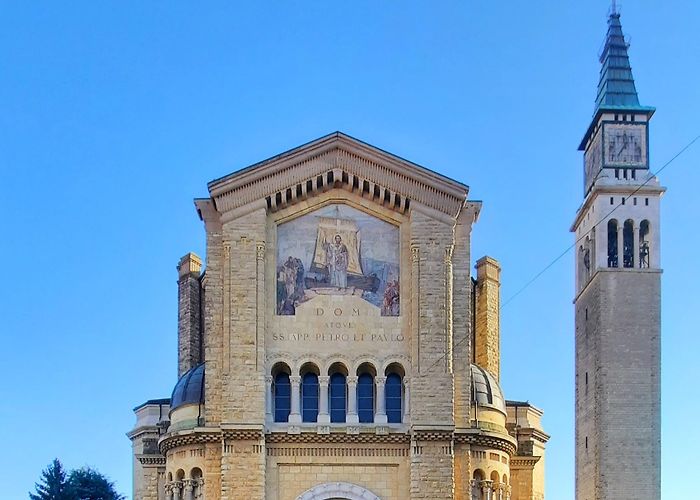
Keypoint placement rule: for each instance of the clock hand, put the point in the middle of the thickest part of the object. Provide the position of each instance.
(622, 148)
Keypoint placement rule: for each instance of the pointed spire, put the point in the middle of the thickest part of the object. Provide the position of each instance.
(616, 88)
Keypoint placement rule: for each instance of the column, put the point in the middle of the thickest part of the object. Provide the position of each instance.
(406, 401)
(636, 261)
(295, 414)
(486, 490)
(188, 487)
(323, 416)
(499, 491)
(177, 490)
(620, 244)
(352, 417)
(268, 399)
(380, 406)
(169, 491)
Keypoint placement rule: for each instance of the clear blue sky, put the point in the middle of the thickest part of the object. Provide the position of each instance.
(115, 115)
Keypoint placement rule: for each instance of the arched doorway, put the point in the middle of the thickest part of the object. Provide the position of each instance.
(338, 491)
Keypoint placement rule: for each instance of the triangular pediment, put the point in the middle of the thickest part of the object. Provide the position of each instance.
(338, 161)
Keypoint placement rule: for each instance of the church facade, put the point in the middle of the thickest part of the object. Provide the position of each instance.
(336, 344)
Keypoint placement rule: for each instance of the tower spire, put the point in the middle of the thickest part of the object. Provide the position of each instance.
(616, 87)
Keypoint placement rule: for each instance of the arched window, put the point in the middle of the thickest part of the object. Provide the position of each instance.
(197, 482)
(282, 396)
(644, 244)
(337, 397)
(365, 398)
(393, 394)
(309, 397)
(628, 243)
(477, 483)
(612, 243)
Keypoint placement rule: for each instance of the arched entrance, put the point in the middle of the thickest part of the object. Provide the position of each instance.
(338, 491)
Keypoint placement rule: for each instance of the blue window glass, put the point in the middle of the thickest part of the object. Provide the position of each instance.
(392, 392)
(336, 397)
(282, 396)
(365, 398)
(309, 397)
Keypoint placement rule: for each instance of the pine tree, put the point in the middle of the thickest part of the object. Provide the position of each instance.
(53, 484)
(88, 484)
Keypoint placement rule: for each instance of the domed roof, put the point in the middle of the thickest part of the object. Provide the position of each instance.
(189, 389)
(485, 389)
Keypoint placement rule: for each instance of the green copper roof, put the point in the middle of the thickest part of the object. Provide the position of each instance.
(616, 87)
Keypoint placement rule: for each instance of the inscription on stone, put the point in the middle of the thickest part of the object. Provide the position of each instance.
(336, 324)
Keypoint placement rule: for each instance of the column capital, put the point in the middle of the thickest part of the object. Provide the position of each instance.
(324, 379)
(351, 380)
(269, 379)
(260, 250)
(380, 380)
(295, 379)
(415, 252)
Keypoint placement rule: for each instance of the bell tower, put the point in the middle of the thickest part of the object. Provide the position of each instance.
(618, 292)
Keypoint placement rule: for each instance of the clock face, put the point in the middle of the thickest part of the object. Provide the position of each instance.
(593, 160)
(625, 145)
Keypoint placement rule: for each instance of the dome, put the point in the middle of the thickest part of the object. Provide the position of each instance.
(485, 390)
(189, 389)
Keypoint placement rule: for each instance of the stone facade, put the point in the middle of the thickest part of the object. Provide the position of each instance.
(334, 320)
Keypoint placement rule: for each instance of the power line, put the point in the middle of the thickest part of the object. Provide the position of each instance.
(573, 245)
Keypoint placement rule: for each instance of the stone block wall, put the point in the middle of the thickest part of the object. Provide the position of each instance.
(617, 373)
(243, 381)
(189, 345)
(432, 469)
(432, 394)
(488, 302)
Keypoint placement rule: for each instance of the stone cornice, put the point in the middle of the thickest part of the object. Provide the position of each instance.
(523, 462)
(336, 437)
(139, 431)
(354, 165)
(478, 437)
(254, 433)
(601, 270)
(151, 460)
(432, 435)
(535, 434)
(614, 189)
(184, 438)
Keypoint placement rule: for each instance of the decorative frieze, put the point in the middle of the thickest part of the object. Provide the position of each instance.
(341, 161)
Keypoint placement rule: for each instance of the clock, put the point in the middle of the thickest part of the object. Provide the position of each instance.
(592, 161)
(625, 145)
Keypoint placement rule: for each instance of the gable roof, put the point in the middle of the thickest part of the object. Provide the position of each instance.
(338, 159)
